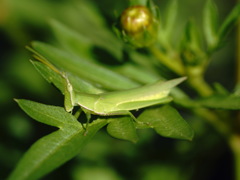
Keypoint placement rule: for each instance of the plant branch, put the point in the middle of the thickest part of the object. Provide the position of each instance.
(200, 85)
(238, 53)
(172, 64)
(214, 120)
(234, 143)
(195, 74)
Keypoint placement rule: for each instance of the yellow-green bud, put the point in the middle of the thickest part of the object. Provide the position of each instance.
(135, 19)
(139, 26)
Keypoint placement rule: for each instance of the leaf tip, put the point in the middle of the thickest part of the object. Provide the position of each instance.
(190, 136)
(178, 80)
(134, 140)
(183, 78)
(16, 100)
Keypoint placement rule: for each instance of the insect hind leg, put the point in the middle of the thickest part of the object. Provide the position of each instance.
(139, 122)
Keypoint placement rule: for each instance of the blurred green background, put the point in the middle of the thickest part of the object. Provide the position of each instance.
(104, 158)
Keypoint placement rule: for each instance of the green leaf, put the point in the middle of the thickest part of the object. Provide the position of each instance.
(210, 20)
(229, 22)
(230, 102)
(182, 99)
(94, 73)
(71, 40)
(138, 2)
(167, 24)
(170, 15)
(220, 89)
(50, 75)
(137, 73)
(237, 89)
(53, 150)
(192, 39)
(88, 22)
(91, 25)
(167, 122)
(83, 86)
(96, 172)
(191, 46)
(144, 61)
(153, 8)
(89, 13)
(122, 128)
(47, 114)
(53, 77)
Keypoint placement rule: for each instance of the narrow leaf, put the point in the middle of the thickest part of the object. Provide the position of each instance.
(89, 13)
(230, 102)
(137, 73)
(51, 76)
(171, 15)
(210, 19)
(84, 69)
(138, 2)
(167, 24)
(192, 36)
(53, 150)
(152, 6)
(220, 89)
(167, 122)
(123, 128)
(229, 22)
(72, 40)
(145, 61)
(96, 31)
(47, 114)
(237, 89)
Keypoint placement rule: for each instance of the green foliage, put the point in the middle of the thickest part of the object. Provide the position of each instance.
(123, 128)
(167, 122)
(210, 24)
(83, 68)
(167, 24)
(215, 34)
(229, 22)
(56, 148)
(230, 102)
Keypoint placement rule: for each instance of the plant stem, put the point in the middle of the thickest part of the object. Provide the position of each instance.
(234, 143)
(197, 82)
(200, 85)
(238, 53)
(213, 119)
(235, 140)
(172, 64)
(195, 74)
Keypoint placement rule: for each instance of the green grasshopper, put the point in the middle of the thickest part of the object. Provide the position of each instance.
(120, 102)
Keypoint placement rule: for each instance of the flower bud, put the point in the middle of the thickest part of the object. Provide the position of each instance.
(139, 26)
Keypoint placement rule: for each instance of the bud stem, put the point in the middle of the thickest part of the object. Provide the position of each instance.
(175, 66)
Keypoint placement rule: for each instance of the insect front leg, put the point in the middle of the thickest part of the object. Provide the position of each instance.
(68, 94)
(88, 116)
